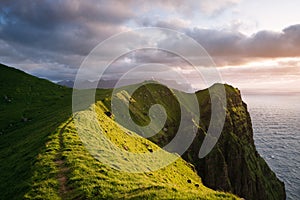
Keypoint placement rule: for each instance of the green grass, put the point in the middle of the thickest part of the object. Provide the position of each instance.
(148, 95)
(90, 179)
(30, 111)
(42, 156)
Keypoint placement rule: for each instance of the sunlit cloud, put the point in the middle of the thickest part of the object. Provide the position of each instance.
(51, 38)
(278, 75)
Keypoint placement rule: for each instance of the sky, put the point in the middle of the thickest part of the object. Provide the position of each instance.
(255, 44)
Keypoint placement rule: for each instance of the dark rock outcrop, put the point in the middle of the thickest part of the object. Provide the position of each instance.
(234, 165)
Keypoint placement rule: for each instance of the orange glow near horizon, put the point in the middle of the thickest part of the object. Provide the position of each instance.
(275, 75)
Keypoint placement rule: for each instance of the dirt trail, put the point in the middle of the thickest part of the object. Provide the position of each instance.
(62, 178)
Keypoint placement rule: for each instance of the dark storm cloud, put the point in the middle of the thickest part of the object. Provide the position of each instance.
(51, 38)
(235, 48)
(57, 32)
(218, 42)
(230, 47)
(155, 56)
(66, 26)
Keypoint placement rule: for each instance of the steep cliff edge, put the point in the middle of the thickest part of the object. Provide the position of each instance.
(234, 164)
(43, 155)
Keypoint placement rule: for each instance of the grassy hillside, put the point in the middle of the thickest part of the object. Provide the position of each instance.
(244, 172)
(81, 176)
(178, 106)
(233, 165)
(30, 110)
(42, 156)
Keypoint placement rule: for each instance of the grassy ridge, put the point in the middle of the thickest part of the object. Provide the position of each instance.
(42, 156)
(87, 178)
(30, 110)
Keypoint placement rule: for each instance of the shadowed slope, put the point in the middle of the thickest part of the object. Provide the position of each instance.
(234, 164)
(30, 110)
(42, 157)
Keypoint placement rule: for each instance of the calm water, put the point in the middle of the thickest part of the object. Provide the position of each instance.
(276, 125)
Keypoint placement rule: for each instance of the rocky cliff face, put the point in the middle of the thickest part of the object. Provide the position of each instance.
(234, 164)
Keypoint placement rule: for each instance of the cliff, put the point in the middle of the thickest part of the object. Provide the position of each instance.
(44, 157)
(233, 165)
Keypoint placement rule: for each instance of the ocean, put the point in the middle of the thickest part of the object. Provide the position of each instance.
(276, 126)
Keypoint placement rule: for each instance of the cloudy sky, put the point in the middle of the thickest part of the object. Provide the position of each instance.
(255, 44)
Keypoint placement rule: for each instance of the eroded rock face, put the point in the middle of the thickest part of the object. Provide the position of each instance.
(234, 164)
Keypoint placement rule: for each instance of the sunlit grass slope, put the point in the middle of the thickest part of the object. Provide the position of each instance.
(87, 178)
(42, 156)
